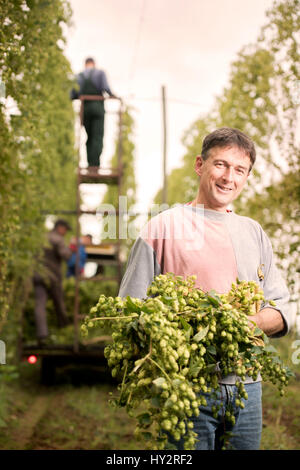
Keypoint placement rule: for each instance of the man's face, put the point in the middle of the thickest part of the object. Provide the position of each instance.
(62, 230)
(222, 176)
(90, 65)
(86, 240)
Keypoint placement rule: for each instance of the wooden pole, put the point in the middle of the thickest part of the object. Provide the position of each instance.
(164, 191)
(77, 272)
(120, 181)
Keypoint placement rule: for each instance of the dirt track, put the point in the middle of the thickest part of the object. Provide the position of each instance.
(22, 435)
(64, 417)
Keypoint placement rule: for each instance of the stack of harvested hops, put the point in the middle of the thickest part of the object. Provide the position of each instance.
(169, 348)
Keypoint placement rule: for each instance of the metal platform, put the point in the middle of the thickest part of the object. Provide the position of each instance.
(102, 176)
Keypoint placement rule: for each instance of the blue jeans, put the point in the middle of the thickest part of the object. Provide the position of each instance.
(248, 421)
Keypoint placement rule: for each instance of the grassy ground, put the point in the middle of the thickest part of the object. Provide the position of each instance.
(74, 414)
(63, 416)
(281, 419)
(281, 415)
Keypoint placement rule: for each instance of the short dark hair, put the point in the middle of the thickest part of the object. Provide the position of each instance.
(228, 137)
(89, 60)
(88, 235)
(62, 223)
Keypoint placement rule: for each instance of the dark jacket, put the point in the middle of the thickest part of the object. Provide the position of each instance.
(91, 82)
(55, 252)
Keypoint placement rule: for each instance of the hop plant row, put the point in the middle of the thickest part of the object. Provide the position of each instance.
(177, 343)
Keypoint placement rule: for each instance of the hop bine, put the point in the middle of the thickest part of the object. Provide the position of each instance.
(171, 348)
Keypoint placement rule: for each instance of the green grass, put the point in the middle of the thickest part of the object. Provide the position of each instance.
(281, 419)
(281, 415)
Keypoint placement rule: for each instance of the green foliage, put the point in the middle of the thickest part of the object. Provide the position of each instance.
(128, 180)
(128, 186)
(8, 374)
(36, 135)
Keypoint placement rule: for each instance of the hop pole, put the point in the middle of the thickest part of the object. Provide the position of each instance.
(164, 116)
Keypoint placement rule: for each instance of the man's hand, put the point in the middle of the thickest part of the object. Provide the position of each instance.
(116, 97)
(268, 319)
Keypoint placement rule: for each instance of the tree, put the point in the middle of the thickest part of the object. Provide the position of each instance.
(275, 203)
(38, 159)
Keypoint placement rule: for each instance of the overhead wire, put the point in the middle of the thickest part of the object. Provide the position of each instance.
(133, 67)
(136, 45)
(156, 99)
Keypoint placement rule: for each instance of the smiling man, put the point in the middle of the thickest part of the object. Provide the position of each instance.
(205, 238)
(223, 176)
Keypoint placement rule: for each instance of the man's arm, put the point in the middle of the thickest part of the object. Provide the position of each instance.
(105, 85)
(269, 320)
(141, 269)
(75, 93)
(64, 251)
(274, 321)
(100, 81)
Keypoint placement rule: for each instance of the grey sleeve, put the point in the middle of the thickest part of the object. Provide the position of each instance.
(141, 269)
(274, 286)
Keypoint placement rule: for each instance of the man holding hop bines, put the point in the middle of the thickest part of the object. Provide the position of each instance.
(219, 247)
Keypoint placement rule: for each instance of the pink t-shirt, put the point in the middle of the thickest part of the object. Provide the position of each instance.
(186, 243)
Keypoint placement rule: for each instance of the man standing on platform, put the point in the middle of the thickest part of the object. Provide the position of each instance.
(93, 82)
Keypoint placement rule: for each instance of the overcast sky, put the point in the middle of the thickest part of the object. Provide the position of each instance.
(186, 45)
